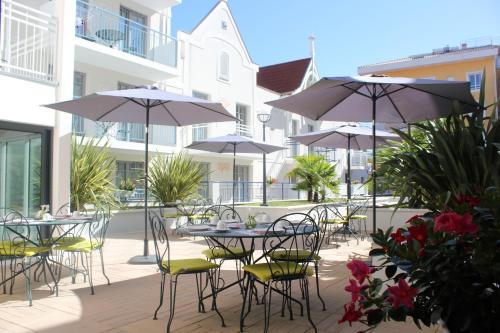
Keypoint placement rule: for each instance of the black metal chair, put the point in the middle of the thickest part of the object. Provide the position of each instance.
(342, 221)
(94, 233)
(360, 207)
(176, 268)
(289, 245)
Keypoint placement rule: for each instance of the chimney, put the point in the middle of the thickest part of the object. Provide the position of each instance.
(312, 44)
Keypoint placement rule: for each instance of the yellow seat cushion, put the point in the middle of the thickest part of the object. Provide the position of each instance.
(336, 221)
(65, 240)
(265, 272)
(219, 253)
(83, 246)
(359, 217)
(183, 266)
(201, 216)
(12, 249)
(171, 215)
(293, 255)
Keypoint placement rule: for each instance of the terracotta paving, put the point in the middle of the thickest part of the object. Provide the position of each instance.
(127, 305)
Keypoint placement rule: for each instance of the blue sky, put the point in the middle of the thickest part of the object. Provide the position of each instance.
(349, 33)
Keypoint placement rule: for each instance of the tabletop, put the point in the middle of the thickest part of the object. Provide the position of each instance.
(62, 221)
(259, 232)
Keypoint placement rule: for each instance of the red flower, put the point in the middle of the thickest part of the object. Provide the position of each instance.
(359, 270)
(419, 233)
(414, 218)
(351, 314)
(455, 224)
(398, 236)
(401, 294)
(469, 200)
(354, 288)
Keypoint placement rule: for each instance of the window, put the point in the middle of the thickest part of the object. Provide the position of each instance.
(134, 32)
(475, 80)
(223, 66)
(78, 124)
(242, 191)
(200, 131)
(310, 149)
(203, 188)
(294, 146)
(133, 171)
(133, 132)
(242, 124)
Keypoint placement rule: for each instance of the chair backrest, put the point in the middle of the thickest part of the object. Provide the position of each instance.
(334, 211)
(360, 207)
(98, 226)
(302, 234)
(160, 238)
(223, 212)
(320, 215)
(15, 233)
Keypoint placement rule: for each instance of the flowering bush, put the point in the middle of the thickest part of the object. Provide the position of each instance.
(443, 265)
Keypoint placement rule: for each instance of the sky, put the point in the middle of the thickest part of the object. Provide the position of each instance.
(349, 33)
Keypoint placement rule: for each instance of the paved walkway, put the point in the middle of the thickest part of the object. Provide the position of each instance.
(128, 304)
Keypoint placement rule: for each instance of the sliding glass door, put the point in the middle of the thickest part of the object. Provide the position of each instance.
(23, 180)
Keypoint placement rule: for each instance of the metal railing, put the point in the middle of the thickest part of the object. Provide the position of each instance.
(244, 130)
(28, 42)
(293, 148)
(99, 25)
(199, 132)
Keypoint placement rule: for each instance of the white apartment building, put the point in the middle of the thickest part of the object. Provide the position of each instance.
(54, 50)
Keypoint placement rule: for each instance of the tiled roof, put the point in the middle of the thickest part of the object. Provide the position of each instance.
(285, 77)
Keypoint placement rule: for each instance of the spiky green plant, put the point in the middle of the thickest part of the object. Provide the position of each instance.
(314, 174)
(91, 167)
(175, 177)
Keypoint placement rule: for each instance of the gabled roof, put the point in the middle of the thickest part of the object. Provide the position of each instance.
(285, 77)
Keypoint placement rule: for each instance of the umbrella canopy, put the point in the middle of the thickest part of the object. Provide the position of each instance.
(130, 105)
(398, 100)
(346, 137)
(360, 137)
(233, 143)
(379, 98)
(145, 105)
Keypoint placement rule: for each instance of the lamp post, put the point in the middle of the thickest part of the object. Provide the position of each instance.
(264, 118)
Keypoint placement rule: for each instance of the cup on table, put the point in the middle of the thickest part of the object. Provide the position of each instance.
(221, 225)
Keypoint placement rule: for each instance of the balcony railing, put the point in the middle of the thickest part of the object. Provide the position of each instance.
(292, 148)
(28, 42)
(104, 27)
(244, 130)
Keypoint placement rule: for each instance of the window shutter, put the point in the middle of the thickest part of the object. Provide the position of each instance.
(224, 66)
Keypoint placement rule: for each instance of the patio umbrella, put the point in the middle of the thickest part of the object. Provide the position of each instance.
(379, 98)
(233, 143)
(346, 137)
(146, 105)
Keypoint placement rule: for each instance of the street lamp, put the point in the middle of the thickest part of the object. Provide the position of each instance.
(264, 117)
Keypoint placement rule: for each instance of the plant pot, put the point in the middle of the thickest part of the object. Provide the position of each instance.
(170, 222)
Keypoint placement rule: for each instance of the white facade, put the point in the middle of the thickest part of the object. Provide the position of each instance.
(105, 45)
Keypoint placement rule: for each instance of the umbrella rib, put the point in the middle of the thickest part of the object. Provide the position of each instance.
(388, 95)
(204, 107)
(113, 109)
(334, 105)
(384, 89)
(441, 96)
(136, 102)
(170, 113)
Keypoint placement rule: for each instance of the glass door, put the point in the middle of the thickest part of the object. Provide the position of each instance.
(242, 183)
(134, 32)
(21, 171)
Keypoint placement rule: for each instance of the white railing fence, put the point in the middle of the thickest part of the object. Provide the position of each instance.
(28, 41)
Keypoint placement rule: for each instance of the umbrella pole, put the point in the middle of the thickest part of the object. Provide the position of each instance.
(348, 167)
(146, 159)
(234, 174)
(374, 163)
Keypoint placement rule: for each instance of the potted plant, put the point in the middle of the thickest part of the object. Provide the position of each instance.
(127, 187)
(443, 266)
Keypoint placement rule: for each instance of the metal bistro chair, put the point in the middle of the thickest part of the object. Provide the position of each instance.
(176, 268)
(342, 221)
(297, 242)
(94, 233)
(222, 249)
(360, 207)
(17, 249)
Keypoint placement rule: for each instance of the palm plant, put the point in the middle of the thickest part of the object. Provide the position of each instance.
(314, 174)
(91, 168)
(175, 177)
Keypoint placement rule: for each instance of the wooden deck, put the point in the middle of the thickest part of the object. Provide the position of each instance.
(127, 305)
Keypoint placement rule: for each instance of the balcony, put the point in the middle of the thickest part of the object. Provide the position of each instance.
(116, 42)
(292, 148)
(28, 42)
(244, 130)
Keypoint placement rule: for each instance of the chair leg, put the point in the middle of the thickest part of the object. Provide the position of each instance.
(316, 272)
(308, 305)
(27, 279)
(173, 292)
(56, 281)
(102, 266)
(199, 287)
(248, 293)
(289, 293)
(162, 290)
(214, 297)
(88, 260)
(267, 306)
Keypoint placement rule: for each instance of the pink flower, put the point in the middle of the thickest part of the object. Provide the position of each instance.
(455, 224)
(359, 270)
(351, 314)
(469, 200)
(419, 233)
(354, 288)
(398, 236)
(401, 294)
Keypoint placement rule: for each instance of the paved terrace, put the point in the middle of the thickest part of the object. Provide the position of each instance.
(128, 304)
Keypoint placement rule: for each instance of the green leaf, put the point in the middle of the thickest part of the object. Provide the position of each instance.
(390, 271)
(398, 314)
(375, 317)
(377, 252)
